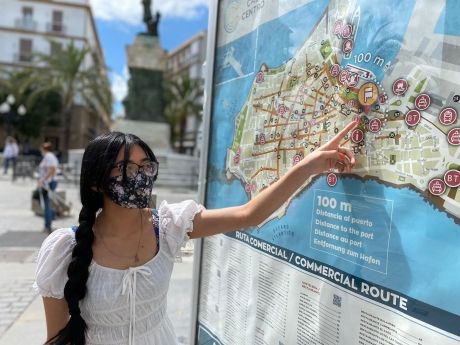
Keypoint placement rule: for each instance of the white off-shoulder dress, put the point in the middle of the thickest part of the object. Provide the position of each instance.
(122, 307)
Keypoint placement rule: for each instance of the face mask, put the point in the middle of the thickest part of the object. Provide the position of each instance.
(133, 193)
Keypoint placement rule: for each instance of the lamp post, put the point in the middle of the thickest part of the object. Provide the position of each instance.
(6, 109)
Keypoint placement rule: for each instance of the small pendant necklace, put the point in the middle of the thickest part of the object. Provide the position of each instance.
(134, 257)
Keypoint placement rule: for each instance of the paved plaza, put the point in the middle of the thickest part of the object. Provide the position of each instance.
(22, 319)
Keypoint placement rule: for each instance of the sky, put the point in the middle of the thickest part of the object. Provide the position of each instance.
(118, 23)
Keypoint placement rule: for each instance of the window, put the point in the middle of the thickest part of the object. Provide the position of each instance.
(195, 48)
(27, 20)
(56, 25)
(27, 13)
(25, 50)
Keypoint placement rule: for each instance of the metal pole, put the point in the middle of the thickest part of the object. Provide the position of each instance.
(202, 180)
(9, 117)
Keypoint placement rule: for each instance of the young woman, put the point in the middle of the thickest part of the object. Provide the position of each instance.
(47, 182)
(106, 281)
(10, 154)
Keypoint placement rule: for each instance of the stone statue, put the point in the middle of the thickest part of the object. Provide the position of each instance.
(152, 24)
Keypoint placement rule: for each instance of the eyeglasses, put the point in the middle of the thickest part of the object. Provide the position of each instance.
(150, 168)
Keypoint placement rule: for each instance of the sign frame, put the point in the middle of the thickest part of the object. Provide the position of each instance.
(203, 172)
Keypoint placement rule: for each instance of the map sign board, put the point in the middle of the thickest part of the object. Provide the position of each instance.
(370, 257)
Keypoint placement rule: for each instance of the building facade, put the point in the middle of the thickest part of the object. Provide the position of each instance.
(42, 26)
(189, 59)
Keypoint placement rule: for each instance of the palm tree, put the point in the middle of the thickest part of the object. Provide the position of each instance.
(183, 99)
(37, 111)
(65, 73)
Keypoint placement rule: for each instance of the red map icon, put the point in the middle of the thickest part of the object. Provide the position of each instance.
(452, 178)
(331, 179)
(357, 135)
(347, 31)
(375, 125)
(338, 27)
(400, 87)
(343, 76)
(259, 77)
(448, 116)
(347, 46)
(437, 186)
(335, 70)
(413, 118)
(423, 101)
(453, 137)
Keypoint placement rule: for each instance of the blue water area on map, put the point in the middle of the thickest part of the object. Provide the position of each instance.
(361, 236)
(449, 22)
(421, 257)
(225, 194)
(382, 26)
(290, 30)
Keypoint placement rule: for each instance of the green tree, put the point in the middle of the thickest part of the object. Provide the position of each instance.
(65, 73)
(41, 110)
(183, 99)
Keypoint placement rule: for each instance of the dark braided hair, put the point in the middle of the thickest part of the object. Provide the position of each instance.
(98, 161)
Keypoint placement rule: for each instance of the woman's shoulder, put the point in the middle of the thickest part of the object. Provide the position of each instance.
(58, 244)
(52, 262)
(176, 221)
(184, 210)
(61, 236)
(50, 158)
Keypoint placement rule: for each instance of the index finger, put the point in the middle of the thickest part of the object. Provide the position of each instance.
(335, 141)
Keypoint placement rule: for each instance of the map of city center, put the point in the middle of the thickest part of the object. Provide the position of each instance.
(288, 76)
(408, 135)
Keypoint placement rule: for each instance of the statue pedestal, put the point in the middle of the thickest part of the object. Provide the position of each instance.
(146, 53)
(155, 134)
(146, 62)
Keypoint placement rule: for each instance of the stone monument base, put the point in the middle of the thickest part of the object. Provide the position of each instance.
(155, 134)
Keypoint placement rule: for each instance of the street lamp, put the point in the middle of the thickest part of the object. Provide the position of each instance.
(6, 108)
(22, 110)
(10, 99)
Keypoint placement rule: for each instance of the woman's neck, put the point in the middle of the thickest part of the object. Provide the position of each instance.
(117, 221)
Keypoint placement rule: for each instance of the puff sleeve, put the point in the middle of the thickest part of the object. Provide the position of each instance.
(176, 220)
(52, 262)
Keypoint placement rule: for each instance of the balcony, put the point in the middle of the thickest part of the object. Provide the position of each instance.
(26, 58)
(56, 28)
(26, 24)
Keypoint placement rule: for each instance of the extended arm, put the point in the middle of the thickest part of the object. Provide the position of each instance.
(211, 222)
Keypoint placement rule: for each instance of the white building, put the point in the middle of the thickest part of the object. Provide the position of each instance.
(42, 26)
(189, 59)
(28, 26)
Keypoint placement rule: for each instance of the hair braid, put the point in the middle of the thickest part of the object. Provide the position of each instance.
(75, 289)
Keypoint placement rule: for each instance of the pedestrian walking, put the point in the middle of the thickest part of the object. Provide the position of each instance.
(106, 280)
(47, 182)
(10, 154)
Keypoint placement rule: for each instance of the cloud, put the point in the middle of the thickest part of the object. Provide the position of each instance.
(130, 11)
(119, 84)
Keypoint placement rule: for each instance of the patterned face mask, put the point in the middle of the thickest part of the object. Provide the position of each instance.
(134, 193)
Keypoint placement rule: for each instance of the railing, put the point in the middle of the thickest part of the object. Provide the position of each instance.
(26, 24)
(25, 167)
(177, 170)
(23, 57)
(58, 28)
